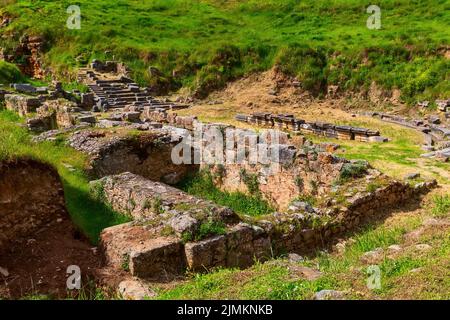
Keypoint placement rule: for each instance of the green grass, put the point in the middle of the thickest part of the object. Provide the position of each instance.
(441, 205)
(351, 171)
(343, 272)
(207, 229)
(202, 185)
(209, 42)
(9, 73)
(90, 215)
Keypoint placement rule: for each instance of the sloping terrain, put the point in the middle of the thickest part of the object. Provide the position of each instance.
(203, 44)
(314, 60)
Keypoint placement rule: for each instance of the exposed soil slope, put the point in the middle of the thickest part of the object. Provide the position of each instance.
(39, 239)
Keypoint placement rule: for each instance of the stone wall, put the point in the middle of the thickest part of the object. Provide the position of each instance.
(147, 154)
(302, 172)
(163, 217)
(154, 245)
(297, 232)
(147, 200)
(22, 104)
(162, 116)
(31, 195)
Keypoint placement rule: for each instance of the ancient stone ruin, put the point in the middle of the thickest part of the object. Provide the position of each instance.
(112, 89)
(147, 154)
(130, 139)
(289, 122)
(436, 133)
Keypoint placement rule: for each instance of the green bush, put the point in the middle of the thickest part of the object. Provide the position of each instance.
(353, 170)
(9, 73)
(305, 63)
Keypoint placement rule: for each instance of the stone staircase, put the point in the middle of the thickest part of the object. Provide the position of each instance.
(115, 91)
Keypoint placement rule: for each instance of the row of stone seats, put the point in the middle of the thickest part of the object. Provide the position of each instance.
(289, 122)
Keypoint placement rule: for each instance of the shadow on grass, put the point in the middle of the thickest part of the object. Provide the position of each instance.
(90, 215)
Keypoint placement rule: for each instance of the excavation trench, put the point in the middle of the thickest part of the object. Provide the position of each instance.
(38, 240)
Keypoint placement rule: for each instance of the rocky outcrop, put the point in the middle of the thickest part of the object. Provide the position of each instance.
(30, 49)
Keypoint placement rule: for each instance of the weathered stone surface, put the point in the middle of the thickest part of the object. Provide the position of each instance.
(43, 122)
(293, 257)
(239, 247)
(87, 100)
(305, 171)
(423, 247)
(105, 123)
(245, 244)
(134, 290)
(377, 139)
(157, 258)
(373, 257)
(298, 206)
(412, 176)
(183, 223)
(142, 198)
(443, 105)
(434, 119)
(86, 119)
(329, 295)
(51, 135)
(130, 247)
(206, 254)
(131, 116)
(21, 104)
(65, 111)
(395, 248)
(149, 154)
(24, 88)
(158, 115)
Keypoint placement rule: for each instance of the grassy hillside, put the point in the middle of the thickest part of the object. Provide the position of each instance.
(208, 42)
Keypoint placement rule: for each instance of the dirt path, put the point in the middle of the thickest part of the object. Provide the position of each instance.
(37, 265)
